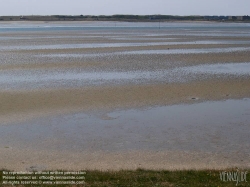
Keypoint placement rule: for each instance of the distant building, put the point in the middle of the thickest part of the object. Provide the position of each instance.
(246, 17)
(239, 18)
(222, 18)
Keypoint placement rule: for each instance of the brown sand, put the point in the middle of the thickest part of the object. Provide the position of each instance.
(27, 159)
(187, 60)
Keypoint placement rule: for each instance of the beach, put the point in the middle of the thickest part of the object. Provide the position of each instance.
(119, 95)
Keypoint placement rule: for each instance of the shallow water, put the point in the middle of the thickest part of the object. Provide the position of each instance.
(21, 79)
(110, 45)
(112, 24)
(220, 126)
(100, 45)
(151, 52)
(60, 78)
(187, 51)
(227, 68)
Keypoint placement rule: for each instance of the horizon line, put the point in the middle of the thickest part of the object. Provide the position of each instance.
(119, 14)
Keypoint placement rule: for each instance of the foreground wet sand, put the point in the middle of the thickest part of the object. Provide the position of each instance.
(48, 73)
(129, 160)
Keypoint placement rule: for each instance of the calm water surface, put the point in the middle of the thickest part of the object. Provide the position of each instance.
(220, 126)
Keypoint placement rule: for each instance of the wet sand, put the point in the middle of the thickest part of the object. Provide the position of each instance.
(44, 75)
(20, 103)
(29, 160)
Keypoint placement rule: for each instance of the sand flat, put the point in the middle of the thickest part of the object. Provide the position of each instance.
(56, 83)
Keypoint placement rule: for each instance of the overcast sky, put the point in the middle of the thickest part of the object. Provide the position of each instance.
(110, 7)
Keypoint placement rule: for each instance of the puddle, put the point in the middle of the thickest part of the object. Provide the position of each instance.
(151, 52)
(76, 46)
(186, 51)
(226, 68)
(208, 126)
(44, 37)
(109, 45)
(138, 38)
(223, 34)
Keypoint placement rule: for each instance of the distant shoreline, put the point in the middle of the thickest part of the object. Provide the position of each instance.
(128, 18)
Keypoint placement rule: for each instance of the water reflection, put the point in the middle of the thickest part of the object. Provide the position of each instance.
(208, 126)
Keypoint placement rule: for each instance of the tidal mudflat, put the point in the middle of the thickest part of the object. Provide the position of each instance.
(106, 95)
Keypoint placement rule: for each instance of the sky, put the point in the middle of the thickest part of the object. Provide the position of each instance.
(137, 7)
